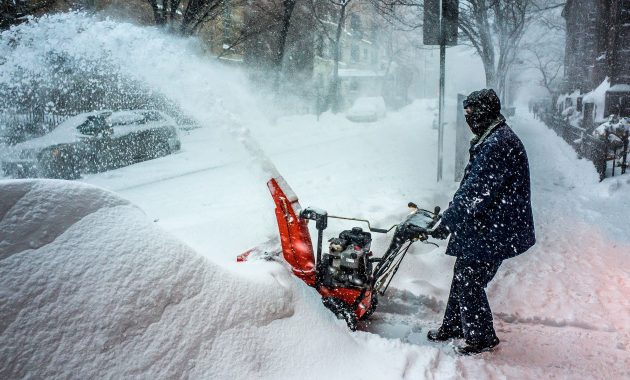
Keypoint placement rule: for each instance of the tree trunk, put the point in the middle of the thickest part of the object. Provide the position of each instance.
(289, 5)
(333, 94)
(158, 14)
(488, 66)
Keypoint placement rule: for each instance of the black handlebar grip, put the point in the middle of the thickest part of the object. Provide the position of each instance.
(437, 210)
(379, 230)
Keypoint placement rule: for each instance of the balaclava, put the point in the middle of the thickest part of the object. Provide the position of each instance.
(486, 108)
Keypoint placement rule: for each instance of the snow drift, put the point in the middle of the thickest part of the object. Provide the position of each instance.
(90, 288)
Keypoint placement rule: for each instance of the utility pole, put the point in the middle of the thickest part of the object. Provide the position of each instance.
(440, 28)
(440, 157)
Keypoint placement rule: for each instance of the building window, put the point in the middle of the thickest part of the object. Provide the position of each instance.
(355, 55)
(355, 25)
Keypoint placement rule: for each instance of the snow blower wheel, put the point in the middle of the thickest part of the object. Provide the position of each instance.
(342, 310)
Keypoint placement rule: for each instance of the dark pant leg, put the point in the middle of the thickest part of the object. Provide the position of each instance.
(467, 310)
(452, 315)
(476, 316)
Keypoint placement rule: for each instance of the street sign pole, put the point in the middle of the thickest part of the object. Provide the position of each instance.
(440, 28)
(441, 96)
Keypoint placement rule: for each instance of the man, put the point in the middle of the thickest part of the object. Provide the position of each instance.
(490, 219)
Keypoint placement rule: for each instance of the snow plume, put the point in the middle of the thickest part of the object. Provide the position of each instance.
(102, 292)
(45, 70)
(73, 62)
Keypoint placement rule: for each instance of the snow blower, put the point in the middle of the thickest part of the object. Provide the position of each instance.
(349, 277)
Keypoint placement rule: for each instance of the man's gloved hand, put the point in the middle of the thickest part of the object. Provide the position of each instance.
(441, 232)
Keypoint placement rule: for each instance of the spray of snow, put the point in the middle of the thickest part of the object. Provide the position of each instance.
(210, 93)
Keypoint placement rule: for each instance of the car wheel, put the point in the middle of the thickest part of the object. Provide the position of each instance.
(59, 162)
(161, 149)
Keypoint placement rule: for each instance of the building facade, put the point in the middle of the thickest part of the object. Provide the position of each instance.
(598, 47)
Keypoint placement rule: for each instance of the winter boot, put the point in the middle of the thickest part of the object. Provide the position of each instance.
(441, 335)
(477, 348)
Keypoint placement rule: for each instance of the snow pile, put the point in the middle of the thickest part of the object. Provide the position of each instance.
(90, 288)
(598, 97)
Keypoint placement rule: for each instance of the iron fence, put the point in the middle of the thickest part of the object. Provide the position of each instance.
(607, 156)
(16, 127)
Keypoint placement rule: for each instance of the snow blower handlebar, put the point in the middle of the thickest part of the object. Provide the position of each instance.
(318, 215)
(410, 231)
(321, 222)
(417, 226)
(372, 229)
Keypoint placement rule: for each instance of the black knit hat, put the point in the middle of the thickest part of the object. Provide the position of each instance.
(486, 100)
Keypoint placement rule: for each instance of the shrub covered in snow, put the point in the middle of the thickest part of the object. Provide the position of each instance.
(615, 129)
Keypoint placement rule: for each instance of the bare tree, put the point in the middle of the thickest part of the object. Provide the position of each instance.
(402, 14)
(277, 35)
(13, 12)
(273, 16)
(260, 19)
(288, 6)
(332, 12)
(549, 66)
(185, 16)
(495, 29)
(548, 15)
(543, 51)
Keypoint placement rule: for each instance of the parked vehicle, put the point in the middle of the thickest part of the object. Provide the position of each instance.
(93, 142)
(365, 110)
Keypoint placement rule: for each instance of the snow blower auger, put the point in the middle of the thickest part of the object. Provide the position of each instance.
(348, 277)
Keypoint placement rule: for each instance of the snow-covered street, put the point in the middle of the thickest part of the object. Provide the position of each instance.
(561, 309)
(132, 273)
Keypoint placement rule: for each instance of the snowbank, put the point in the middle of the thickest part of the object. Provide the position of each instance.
(90, 288)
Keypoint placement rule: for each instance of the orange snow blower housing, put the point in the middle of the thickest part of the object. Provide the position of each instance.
(345, 276)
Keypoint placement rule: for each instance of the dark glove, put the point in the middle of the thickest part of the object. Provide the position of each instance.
(441, 232)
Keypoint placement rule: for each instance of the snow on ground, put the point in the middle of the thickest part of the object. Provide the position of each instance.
(93, 286)
(102, 292)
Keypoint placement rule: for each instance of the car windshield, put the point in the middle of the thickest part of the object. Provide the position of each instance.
(93, 125)
(133, 118)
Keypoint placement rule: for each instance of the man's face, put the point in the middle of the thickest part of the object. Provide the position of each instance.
(470, 120)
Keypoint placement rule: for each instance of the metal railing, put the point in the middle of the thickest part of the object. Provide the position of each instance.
(607, 156)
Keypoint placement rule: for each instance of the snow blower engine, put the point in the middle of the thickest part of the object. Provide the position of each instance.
(348, 262)
(348, 277)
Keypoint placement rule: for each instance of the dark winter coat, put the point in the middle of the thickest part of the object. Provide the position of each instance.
(490, 217)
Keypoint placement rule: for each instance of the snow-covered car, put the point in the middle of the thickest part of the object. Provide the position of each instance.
(93, 142)
(366, 110)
